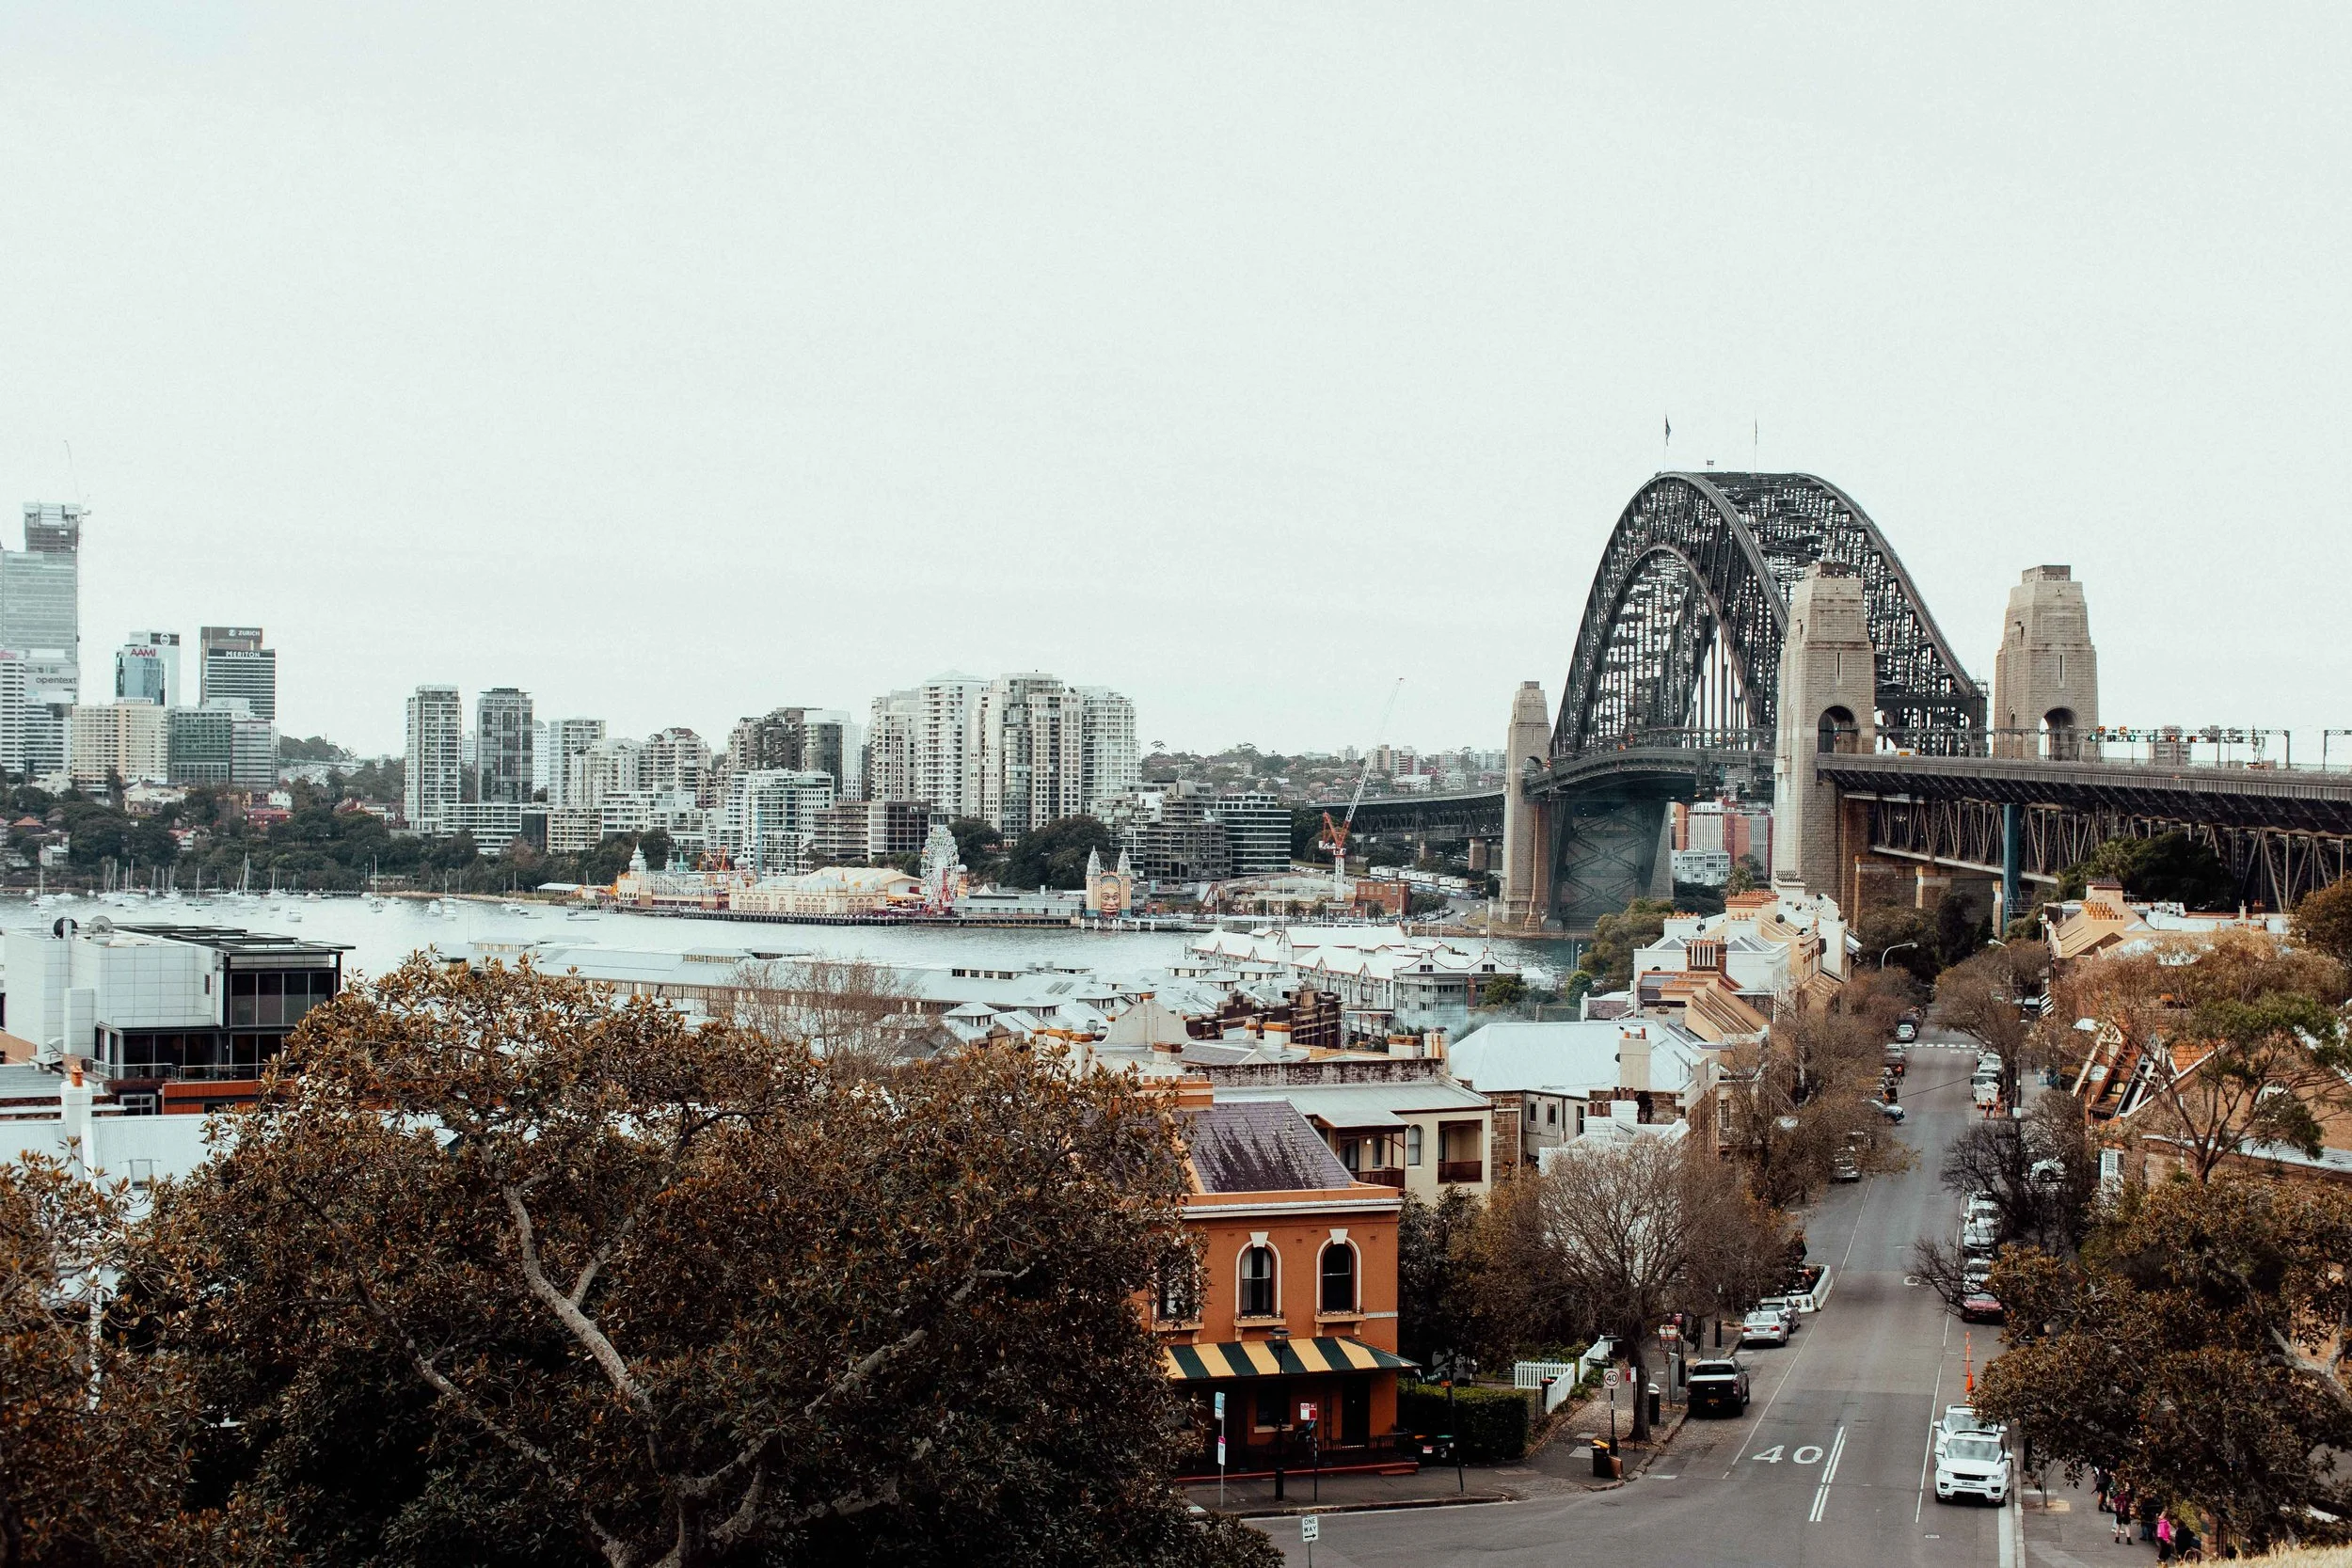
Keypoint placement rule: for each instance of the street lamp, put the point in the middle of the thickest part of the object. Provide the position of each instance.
(1896, 948)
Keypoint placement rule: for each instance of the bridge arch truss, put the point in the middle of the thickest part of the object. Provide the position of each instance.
(1682, 627)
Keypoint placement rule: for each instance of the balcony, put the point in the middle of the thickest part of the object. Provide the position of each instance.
(1387, 1176)
(1450, 1171)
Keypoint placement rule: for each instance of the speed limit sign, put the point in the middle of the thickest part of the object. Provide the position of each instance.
(1610, 1380)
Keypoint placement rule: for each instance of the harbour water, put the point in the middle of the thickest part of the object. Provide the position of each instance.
(380, 938)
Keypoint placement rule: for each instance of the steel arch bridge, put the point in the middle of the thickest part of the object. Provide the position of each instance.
(1683, 624)
(1674, 681)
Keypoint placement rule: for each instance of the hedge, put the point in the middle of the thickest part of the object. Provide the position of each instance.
(1490, 1424)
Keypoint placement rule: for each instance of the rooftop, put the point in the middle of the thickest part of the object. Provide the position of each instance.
(1259, 1147)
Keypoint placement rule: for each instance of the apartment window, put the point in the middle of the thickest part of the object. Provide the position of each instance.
(1552, 1116)
(1256, 1282)
(1412, 1146)
(1338, 1279)
(1180, 1294)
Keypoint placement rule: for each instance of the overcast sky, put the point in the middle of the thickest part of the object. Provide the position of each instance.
(675, 361)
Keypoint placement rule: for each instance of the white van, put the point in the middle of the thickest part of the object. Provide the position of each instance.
(1988, 1091)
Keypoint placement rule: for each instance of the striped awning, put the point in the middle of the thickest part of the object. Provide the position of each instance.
(1277, 1358)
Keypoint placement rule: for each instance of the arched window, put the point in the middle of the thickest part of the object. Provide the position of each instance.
(1256, 1282)
(1338, 1279)
(1838, 731)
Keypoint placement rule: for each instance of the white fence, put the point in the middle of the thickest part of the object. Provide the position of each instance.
(1530, 1375)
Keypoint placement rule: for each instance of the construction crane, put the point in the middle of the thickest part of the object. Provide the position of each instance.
(1334, 836)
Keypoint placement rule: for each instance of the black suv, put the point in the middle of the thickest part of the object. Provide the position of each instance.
(1718, 1385)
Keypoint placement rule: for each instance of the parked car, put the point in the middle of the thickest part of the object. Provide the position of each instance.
(1843, 1167)
(1718, 1385)
(1764, 1327)
(1973, 1464)
(1790, 1307)
(1959, 1421)
(1891, 1111)
(1897, 1059)
(1907, 1030)
(1982, 1307)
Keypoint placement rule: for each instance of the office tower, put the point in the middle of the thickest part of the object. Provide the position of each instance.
(235, 665)
(791, 740)
(1108, 763)
(566, 739)
(107, 741)
(436, 722)
(1026, 756)
(40, 598)
(502, 747)
(146, 669)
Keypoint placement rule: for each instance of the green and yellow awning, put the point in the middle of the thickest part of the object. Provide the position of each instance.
(1277, 1358)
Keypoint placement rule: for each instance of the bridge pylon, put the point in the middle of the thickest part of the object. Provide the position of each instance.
(1526, 824)
(1827, 702)
(2045, 678)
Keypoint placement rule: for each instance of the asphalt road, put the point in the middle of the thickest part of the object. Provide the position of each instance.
(1828, 1467)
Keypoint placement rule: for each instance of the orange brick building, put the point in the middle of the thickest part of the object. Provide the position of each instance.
(1291, 1299)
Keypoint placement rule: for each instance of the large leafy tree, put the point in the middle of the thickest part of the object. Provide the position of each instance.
(1055, 855)
(511, 1272)
(2196, 1349)
(2323, 921)
(1608, 962)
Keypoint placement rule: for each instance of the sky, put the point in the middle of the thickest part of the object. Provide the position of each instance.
(679, 362)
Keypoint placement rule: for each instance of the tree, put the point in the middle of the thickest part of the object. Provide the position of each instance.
(94, 1440)
(1649, 1225)
(1795, 1103)
(1898, 937)
(979, 844)
(1747, 875)
(656, 848)
(2170, 868)
(2196, 1350)
(1980, 998)
(1609, 960)
(1055, 855)
(2246, 1043)
(2323, 921)
(843, 1009)
(632, 1291)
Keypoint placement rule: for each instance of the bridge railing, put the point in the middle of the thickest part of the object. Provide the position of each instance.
(1710, 738)
(2163, 746)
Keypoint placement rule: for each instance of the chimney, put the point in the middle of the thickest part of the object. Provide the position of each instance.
(74, 1116)
(1633, 1047)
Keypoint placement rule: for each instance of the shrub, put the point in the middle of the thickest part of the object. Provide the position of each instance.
(1490, 1424)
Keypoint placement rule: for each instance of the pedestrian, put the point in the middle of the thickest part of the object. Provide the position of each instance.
(2164, 1536)
(2102, 1488)
(2122, 1516)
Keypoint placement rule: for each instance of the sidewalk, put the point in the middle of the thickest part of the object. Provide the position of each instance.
(1562, 1465)
(1353, 1494)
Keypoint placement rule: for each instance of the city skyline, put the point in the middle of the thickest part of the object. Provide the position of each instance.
(1028, 385)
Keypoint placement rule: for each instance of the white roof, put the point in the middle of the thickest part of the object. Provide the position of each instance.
(1569, 1057)
(1364, 1104)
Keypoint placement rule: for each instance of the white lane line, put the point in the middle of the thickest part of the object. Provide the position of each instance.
(1829, 1474)
(1792, 1371)
(1929, 1452)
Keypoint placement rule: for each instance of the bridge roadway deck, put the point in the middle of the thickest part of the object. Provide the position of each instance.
(2233, 797)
